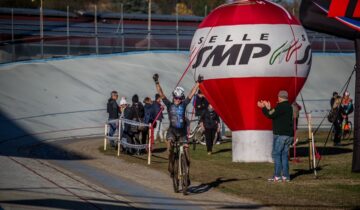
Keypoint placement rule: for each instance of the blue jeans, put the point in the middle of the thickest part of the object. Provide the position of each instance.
(112, 128)
(280, 155)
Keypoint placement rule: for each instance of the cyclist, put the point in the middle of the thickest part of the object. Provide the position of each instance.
(176, 112)
(347, 108)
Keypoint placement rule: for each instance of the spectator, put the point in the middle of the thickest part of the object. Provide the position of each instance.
(201, 104)
(337, 111)
(113, 110)
(124, 113)
(210, 122)
(283, 130)
(158, 130)
(333, 98)
(124, 108)
(149, 117)
(296, 113)
(136, 114)
(127, 130)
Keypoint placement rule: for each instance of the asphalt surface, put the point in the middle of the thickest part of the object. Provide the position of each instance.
(46, 177)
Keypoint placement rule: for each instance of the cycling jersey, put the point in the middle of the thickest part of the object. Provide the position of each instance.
(177, 113)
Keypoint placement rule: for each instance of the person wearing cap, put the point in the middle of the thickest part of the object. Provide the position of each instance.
(283, 130)
(123, 106)
(124, 113)
(159, 129)
(113, 110)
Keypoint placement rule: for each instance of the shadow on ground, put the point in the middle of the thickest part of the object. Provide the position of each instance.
(16, 141)
(222, 151)
(72, 204)
(304, 151)
(204, 187)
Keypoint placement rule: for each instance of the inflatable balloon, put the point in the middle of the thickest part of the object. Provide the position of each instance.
(247, 51)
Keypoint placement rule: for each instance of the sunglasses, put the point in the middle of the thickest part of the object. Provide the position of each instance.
(176, 98)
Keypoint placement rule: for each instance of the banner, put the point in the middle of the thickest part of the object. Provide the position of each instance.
(340, 18)
(326, 17)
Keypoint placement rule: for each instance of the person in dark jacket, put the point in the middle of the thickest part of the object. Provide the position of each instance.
(333, 98)
(127, 132)
(201, 104)
(283, 130)
(338, 111)
(149, 117)
(113, 110)
(210, 122)
(136, 114)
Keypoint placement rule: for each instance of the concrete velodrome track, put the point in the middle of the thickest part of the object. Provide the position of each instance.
(65, 98)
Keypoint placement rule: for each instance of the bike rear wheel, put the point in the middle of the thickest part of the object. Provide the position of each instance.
(175, 177)
(185, 174)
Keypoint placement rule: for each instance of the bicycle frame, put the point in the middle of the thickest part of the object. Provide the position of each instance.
(178, 151)
(180, 172)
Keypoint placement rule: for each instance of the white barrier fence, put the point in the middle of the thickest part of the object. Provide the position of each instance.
(122, 142)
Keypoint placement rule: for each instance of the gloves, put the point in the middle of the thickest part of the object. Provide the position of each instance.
(200, 78)
(156, 78)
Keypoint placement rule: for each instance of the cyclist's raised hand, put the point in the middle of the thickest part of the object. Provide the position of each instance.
(156, 78)
(200, 78)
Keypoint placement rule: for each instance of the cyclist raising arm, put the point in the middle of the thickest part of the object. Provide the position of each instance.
(177, 117)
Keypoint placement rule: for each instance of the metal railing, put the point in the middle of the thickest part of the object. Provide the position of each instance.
(44, 38)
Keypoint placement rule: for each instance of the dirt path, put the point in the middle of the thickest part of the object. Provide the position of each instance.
(159, 181)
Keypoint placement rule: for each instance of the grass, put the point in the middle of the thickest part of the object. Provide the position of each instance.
(334, 188)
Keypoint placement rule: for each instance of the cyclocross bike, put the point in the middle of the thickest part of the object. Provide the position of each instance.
(197, 135)
(180, 168)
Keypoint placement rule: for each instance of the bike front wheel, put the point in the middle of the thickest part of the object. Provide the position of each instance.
(175, 174)
(185, 174)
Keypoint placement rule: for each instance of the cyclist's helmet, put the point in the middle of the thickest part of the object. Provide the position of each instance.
(347, 93)
(179, 92)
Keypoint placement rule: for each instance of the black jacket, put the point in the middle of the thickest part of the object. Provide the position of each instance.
(137, 111)
(113, 109)
(127, 115)
(282, 119)
(201, 105)
(210, 119)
